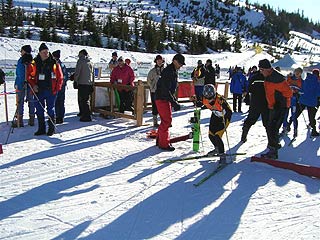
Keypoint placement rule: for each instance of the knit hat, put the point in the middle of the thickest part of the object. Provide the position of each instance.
(127, 61)
(115, 54)
(316, 72)
(264, 63)
(180, 58)
(56, 54)
(43, 46)
(26, 48)
(83, 52)
(199, 62)
(158, 57)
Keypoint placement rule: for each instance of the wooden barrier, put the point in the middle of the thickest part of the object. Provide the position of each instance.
(140, 99)
(138, 91)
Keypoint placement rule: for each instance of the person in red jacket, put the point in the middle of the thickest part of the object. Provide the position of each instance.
(278, 94)
(45, 83)
(123, 75)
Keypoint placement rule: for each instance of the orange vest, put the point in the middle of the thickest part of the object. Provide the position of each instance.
(56, 76)
(213, 104)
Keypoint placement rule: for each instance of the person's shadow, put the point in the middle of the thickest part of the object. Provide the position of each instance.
(54, 190)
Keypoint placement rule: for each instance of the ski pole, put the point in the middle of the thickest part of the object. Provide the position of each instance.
(225, 129)
(305, 121)
(50, 119)
(14, 116)
(6, 101)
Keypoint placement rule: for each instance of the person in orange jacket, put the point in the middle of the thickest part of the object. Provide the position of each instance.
(278, 94)
(46, 83)
(220, 118)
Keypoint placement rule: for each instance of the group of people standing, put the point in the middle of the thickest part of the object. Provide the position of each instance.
(201, 75)
(273, 94)
(163, 82)
(39, 80)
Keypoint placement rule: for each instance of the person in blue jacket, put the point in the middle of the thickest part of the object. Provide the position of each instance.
(23, 89)
(238, 87)
(309, 98)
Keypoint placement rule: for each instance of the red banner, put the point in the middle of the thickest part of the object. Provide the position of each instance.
(185, 90)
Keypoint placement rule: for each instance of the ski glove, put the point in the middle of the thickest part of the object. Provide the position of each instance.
(219, 113)
(176, 106)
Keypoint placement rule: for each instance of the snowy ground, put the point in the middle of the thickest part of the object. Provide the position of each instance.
(101, 180)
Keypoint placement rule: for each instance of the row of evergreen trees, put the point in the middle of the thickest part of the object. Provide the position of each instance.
(114, 31)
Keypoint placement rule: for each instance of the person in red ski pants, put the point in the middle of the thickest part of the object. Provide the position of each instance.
(165, 99)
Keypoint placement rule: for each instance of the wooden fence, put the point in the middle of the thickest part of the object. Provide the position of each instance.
(140, 103)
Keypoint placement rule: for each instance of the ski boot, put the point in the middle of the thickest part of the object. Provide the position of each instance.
(212, 153)
(272, 154)
(314, 133)
(155, 121)
(223, 159)
(244, 135)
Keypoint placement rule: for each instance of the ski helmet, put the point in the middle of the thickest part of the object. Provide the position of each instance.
(209, 91)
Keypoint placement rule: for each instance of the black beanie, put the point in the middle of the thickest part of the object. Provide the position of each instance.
(26, 48)
(43, 46)
(83, 52)
(264, 63)
(56, 54)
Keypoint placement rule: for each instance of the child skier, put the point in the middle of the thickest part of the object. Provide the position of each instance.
(295, 83)
(220, 118)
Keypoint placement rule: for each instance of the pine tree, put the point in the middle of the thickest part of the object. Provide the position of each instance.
(45, 34)
(37, 19)
(136, 34)
(73, 22)
(54, 36)
(28, 33)
(89, 21)
(237, 44)
(163, 29)
(22, 35)
(1, 25)
(9, 13)
(51, 17)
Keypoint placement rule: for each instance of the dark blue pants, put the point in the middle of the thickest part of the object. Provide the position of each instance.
(45, 100)
(59, 105)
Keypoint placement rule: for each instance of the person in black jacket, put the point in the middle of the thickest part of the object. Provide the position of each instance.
(258, 104)
(198, 77)
(210, 74)
(165, 98)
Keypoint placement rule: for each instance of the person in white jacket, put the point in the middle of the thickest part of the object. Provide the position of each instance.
(152, 80)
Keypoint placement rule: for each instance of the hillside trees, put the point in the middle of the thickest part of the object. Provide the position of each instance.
(128, 29)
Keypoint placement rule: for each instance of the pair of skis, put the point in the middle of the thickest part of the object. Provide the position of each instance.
(209, 155)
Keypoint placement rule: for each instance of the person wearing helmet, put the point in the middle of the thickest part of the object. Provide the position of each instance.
(220, 118)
